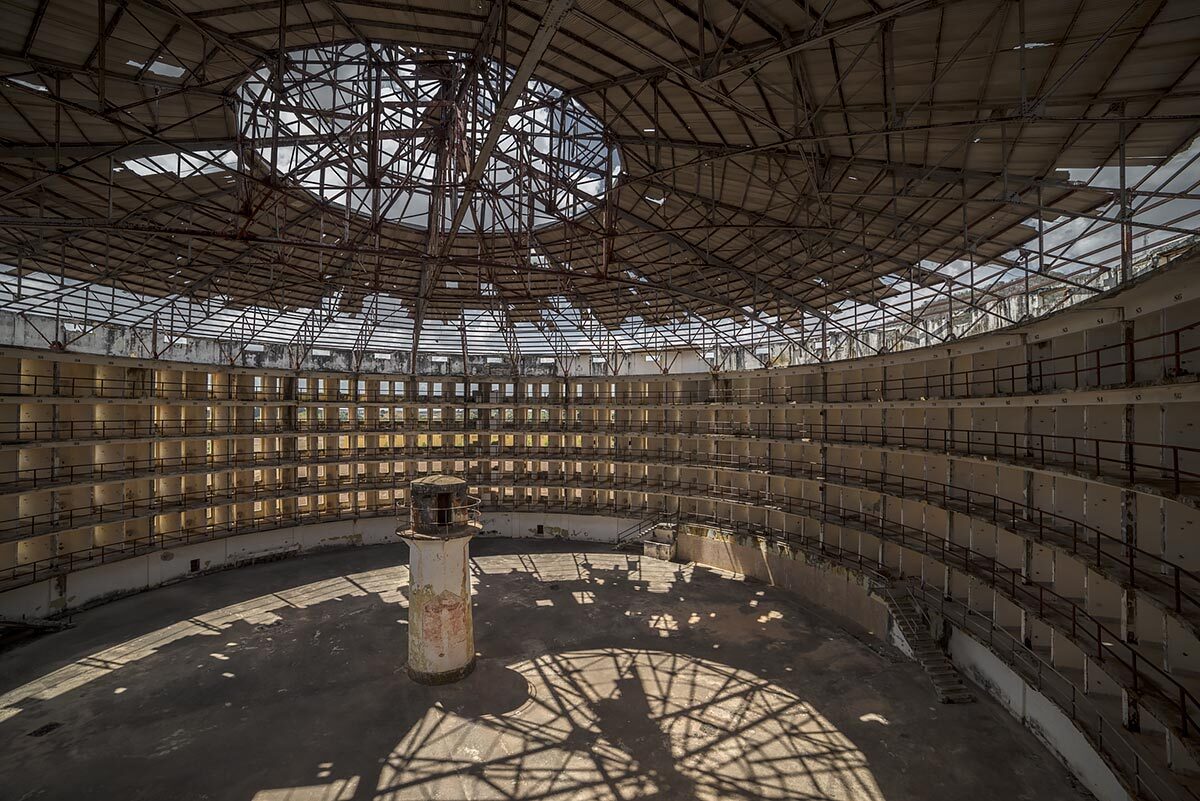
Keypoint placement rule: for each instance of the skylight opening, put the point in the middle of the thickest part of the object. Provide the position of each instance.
(184, 165)
(37, 87)
(550, 165)
(158, 68)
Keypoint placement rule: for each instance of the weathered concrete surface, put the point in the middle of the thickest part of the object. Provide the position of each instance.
(604, 676)
(840, 592)
(441, 640)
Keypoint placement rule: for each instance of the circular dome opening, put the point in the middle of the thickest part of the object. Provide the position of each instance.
(391, 132)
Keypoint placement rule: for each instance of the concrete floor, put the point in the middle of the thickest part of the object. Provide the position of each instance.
(601, 676)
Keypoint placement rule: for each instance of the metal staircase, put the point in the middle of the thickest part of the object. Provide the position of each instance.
(633, 535)
(947, 683)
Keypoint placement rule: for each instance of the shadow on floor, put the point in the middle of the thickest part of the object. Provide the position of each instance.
(602, 676)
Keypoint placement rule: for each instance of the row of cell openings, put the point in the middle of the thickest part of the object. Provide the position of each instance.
(435, 414)
(38, 378)
(1136, 356)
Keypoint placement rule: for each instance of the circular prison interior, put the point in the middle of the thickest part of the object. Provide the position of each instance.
(603, 675)
(529, 399)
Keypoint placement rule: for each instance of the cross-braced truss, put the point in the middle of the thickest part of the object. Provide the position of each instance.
(389, 133)
(795, 181)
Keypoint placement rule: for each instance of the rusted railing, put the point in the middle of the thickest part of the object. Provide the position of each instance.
(1167, 353)
(1060, 612)
(1078, 537)
(1131, 461)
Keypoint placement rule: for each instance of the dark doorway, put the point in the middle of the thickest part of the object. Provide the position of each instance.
(445, 514)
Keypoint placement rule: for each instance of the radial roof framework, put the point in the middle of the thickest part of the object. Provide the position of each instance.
(795, 180)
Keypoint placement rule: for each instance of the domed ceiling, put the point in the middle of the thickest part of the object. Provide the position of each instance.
(794, 181)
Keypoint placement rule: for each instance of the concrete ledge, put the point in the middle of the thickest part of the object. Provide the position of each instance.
(1038, 714)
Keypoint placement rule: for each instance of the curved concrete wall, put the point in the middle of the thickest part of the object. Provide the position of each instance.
(65, 592)
(849, 594)
(1044, 478)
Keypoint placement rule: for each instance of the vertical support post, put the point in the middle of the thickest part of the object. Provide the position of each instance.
(101, 49)
(1126, 213)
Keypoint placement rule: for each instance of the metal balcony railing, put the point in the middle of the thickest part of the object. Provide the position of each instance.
(1166, 354)
(1140, 675)
(1060, 612)
(1174, 586)
(456, 517)
(1175, 468)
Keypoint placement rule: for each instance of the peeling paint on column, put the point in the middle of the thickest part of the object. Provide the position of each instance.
(441, 642)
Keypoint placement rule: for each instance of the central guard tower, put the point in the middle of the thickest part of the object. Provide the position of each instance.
(441, 640)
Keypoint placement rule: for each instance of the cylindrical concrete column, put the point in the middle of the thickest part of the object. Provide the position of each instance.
(441, 640)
